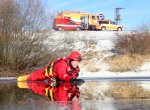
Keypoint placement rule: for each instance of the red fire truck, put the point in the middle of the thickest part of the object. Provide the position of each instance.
(65, 24)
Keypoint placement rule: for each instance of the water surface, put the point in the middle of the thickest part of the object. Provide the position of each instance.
(92, 95)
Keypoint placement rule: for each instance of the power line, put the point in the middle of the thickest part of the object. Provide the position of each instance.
(117, 15)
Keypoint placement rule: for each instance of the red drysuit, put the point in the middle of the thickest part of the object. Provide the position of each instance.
(60, 69)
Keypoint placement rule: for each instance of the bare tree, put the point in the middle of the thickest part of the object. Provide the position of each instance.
(23, 29)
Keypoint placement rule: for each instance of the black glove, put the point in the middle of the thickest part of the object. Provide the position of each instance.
(73, 81)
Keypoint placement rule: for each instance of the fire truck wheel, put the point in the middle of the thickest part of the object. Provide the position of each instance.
(60, 28)
(93, 28)
(103, 28)
(119, 29)
(77, 29)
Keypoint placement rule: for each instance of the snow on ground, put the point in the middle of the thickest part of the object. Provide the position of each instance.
(145, 66)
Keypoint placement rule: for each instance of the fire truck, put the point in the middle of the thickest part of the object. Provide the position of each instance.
(85, 20)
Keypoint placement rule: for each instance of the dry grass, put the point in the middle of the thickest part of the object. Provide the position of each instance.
(125, 62)
(134, 49)
(147, 57)
(92, 68)
(89, 43)
(127, 91)
(137, 42)
(7, 72)
(90, 54)
(90, 61)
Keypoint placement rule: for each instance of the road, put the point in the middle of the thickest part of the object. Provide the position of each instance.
(99, 35)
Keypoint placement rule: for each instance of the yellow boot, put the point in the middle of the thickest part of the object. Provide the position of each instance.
(23, 85)
(23, 78)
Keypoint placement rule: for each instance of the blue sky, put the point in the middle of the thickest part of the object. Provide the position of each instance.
(136, 12)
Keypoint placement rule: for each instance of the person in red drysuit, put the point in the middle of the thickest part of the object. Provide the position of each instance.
(64, 69)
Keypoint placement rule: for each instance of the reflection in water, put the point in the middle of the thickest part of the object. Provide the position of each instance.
(127, 90)
(63, 94)
(115, 90)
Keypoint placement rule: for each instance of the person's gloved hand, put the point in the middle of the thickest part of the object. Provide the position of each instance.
(73, 81)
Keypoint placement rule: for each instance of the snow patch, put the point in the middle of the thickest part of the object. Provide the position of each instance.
(145, 66)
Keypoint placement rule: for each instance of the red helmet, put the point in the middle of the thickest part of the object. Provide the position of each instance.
(76, 56)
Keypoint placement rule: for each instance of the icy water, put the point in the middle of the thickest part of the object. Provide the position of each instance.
(91, 95)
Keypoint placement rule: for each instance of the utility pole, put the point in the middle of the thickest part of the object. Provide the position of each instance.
(117, 15)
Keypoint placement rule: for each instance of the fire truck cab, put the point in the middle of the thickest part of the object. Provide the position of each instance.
(65, 24)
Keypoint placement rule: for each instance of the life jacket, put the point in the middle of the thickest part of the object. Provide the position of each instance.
(49, 71)
(49, 93)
